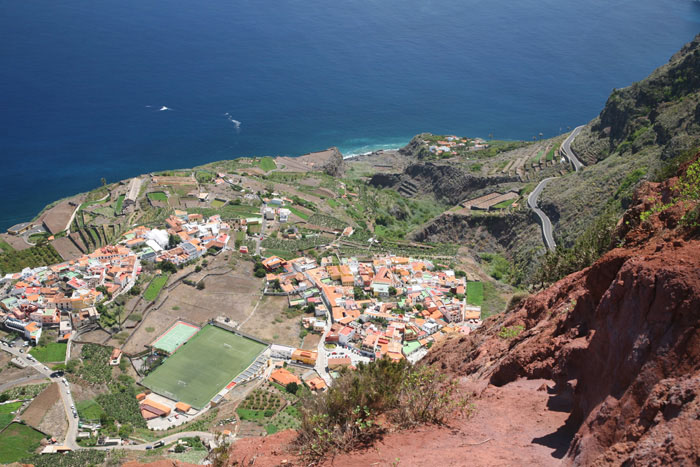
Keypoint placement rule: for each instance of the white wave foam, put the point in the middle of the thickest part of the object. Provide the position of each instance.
(369, 149)
(164, 108)
(236, 123)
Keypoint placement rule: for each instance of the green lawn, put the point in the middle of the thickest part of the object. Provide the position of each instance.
(89, 410)
(6, 414)
(504, 204)
(6, 247)
(191, 375)
(333, 203)
(118, 206)
(299, 213)
(267, 163)
(251, 415)
(284, 254)
(475, 293)
(217, 203)
(18, 441)
(550, 153)
(154, 287)
(538, 157)
(158, 196)
(53, 352)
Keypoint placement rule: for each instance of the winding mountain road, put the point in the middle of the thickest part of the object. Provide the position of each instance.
(546, 223)
(566, 148)
(547, 229)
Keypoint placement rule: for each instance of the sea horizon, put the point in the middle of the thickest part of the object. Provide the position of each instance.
(117, 90)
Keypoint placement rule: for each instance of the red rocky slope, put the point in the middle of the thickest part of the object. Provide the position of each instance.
(620, 338)
(614, 351)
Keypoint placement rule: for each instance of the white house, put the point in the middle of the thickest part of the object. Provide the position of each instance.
(284, 214)
(281, 351)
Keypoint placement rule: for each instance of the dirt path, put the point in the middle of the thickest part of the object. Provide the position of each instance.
(512, 425)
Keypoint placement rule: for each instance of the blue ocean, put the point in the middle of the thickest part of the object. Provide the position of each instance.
(117, 88)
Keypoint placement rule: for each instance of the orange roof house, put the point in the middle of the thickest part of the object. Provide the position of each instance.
(316, 384)
(335, 363)
(305, 356)
(182, 407)
(284, 377)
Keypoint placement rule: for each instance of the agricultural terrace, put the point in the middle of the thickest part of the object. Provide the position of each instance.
(176, 336)
(203, 366)
(158, 196)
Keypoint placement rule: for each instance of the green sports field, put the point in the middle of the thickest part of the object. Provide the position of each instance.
(173, 338)
(203, 366)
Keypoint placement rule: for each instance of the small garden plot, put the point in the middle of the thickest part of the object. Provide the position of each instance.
(267, 163)
(154, 287)
(254, 228)
(53, 352)
(475, 293)
(504, 204)
(7, 413)
(259, 405)
(24, 392)
(119, 204)
(18, 441)
(217, 203)
(158, 196)
(89, 410)
(299, 212)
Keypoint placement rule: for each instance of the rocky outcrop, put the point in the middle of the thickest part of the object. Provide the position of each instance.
(334, 165)
(621, 339)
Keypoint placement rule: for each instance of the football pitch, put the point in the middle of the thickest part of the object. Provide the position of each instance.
(203, 366)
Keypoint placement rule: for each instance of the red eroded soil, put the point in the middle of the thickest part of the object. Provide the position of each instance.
(510, 426)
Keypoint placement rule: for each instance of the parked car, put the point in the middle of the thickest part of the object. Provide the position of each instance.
(148, 448)
(158, 444)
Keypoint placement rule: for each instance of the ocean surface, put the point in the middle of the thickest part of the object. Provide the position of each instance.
(117, 88)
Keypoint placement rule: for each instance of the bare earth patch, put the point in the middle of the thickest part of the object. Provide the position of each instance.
(46, 412)
(270, 322)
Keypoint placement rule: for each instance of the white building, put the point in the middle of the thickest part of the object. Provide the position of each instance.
(281, 351)
(284, 214)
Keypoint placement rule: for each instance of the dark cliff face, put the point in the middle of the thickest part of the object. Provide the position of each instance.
(661, 110)
(621, 340)
(447, 183)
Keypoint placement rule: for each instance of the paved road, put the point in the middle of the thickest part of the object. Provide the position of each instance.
(16, 382)
(205, 436)
(547, 230)
(63, 389)
(544, 220)
(566, 149)
(322, 356)
(67, 400)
